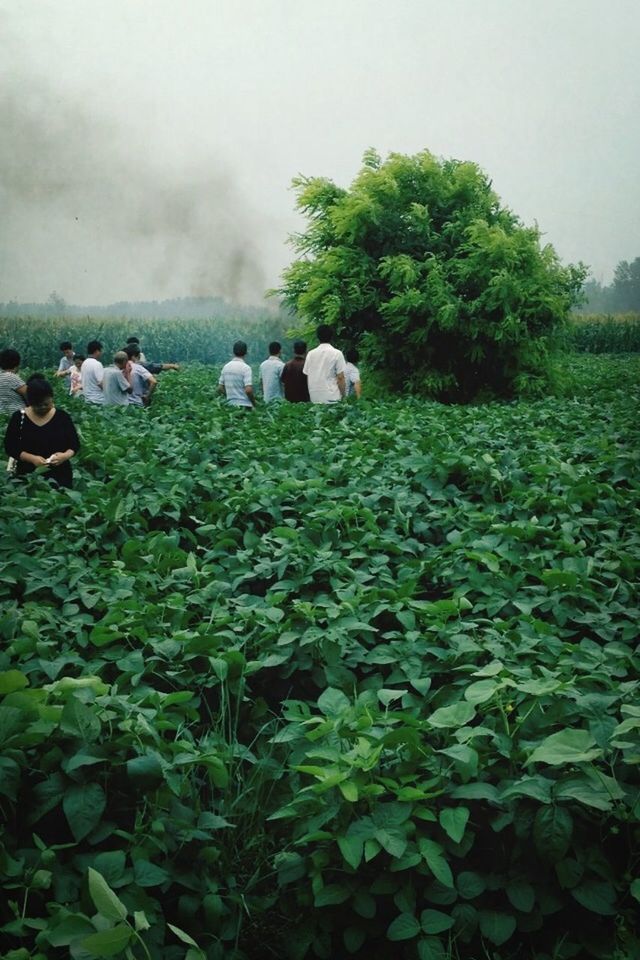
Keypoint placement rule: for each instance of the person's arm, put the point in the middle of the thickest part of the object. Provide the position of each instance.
(69, 436)
(152, 383)
(249, 392)
(123, 383)
(22, 390)
(57, 458)
(357, 389)
(342, 386)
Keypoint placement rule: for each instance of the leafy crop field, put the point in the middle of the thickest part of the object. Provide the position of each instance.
(358, 681)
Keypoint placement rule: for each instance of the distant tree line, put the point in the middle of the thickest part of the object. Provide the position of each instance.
(621, 296)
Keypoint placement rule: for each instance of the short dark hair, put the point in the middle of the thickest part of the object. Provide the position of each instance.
(351, 356)
(132, 350)
(239, 348)
(66, 345)
(274, 348)
(93, 345)
(300, 346)
(133, 340)
(79, 356)
(9, 358)
(36, 376)
(324, 333)
(38, 389)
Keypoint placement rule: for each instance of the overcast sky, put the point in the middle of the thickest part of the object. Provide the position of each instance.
(147, 147)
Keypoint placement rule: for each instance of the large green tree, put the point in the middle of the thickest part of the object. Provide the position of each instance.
(440, 286)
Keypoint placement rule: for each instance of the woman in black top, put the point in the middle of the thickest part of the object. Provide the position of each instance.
(41, 436)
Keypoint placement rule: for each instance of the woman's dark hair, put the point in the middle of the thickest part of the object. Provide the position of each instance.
(38, 389)
(132, 350)
(351, 356)
(133, 340)
(93, 346)
(36, 376)
(9, 359)
(66, 345)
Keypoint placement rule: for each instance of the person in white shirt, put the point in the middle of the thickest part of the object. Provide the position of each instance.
(235, 381)
(324, 367)
(92, 373)
(352, 374)
(66, 360)
(271, 374)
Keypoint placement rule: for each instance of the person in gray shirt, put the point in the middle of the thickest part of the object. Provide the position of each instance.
(115, 386)
(271, 374)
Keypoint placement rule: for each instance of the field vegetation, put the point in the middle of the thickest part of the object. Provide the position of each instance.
(604, 333)
(326, 682)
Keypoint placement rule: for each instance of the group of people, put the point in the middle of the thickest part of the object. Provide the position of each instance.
(38, 435)
(322, 375)
(130, 379)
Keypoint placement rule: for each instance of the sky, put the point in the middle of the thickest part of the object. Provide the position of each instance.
(147, 147)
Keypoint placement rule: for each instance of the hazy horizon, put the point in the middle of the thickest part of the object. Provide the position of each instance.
(148, 149)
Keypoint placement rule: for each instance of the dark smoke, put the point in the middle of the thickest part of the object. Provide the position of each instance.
(82, 197)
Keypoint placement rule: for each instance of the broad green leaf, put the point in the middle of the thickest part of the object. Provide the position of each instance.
(552, 830)
(453, 821)
(351, 849)
(109, 942)
(331, 894)
(470, 884)
(333, 702)
(566, 746)
(521, 895)
(79, 720)
(434, 921)
(145, 772)
(105, 900)
(597, 896)
(83, 806)
(12, 680)
(456, 715)
(436, 861)
(149, 874)
(404, 927)
(497, 927)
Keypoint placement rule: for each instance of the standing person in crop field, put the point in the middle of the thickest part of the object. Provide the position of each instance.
(324, 367)
(135, 342)
(13, 389)
(66, 360)
(271, 374)
(294, 381)
(75, 375)
(115, 386)
(142, 382)
(236, 380)
(352, 374)
(92, 373)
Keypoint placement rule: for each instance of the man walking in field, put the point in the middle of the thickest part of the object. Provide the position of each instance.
(235, 381)
(324, 367)
(115, 386)
(271, 374)
(296, 388)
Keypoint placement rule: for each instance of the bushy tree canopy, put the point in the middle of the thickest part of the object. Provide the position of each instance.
(442, 288)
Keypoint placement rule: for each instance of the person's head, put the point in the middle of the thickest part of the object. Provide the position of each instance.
(39, 395)
(239, 348)
(78, 359)
(135, 340)
(9, 359)
(67, 348)
(300, 347)
(351, 356)
(120, 358)
(36, 376)
(274, 349)
(132, 351)
(324, 333)
(94, 348)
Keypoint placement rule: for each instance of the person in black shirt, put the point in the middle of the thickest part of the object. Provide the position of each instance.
(294, 380)
(42, 436)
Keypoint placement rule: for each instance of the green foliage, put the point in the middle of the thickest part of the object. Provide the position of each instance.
(206, 340)
(324, 682)
(605, 334)
(443, 290)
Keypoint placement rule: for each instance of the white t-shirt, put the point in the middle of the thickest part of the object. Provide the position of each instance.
(322, 366)
(271, 376)
(92, 373)
(235, 376)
